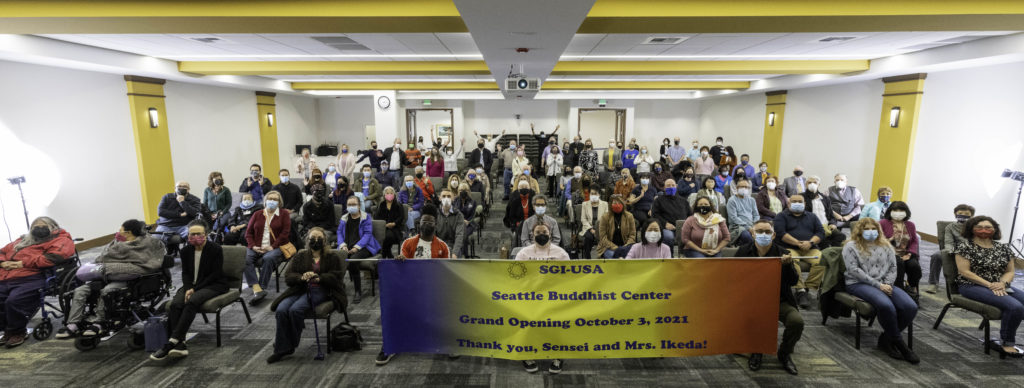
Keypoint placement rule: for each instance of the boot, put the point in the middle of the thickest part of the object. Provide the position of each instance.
(885, 344)
(905, 351)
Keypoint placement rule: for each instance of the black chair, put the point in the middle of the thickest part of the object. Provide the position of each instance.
(379, 227)
(234, 264)
(861, 310)
(987, 312)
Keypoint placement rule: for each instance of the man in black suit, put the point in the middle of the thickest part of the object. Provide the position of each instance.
(482, 155)
(202, 279)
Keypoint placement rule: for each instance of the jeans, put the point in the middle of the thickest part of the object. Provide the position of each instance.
(410, 221)
(181, 314)
(1012, 306)
(794, 324)
(668, 237)
(19, 300)
(353, 268)
(270, 261)
(617, 253)
(694, 254)
(179, 230)
(367, 207)
(895, 313)
(291, 316)
(396, 178)
(81, 297)
(508, 181)
(935, 268)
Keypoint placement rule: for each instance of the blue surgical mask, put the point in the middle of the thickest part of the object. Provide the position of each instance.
(884, 198)
(540, 209)
(645, 181)
(366, 174)
(796, 207)
(526, 172)
(472, 176)
(870, 235)
(247, 204)
(353, 209)
(670, 191)
(763, 239)
(511, 146)
(271, 204)
(408, 184)
(285, 178)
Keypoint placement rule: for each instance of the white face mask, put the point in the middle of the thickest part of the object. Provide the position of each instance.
(718, 142)
(594, 198)
(704, 154)
(578, 175)
(645, 181)
(652, 236)
(446, 201)
(841, 184)
(764, 169)
(771, 185)
(743, 191)
(611, 145)
(898, 216)
(812, 187)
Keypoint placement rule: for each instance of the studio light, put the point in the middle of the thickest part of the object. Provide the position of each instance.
(771, 119)
(270, 119)
(154, 118)
(894, 117)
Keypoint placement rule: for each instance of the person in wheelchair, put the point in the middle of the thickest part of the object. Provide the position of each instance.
(315, 275)
(131, 255)
(234, 225)
(176, 210)
(22, 266)
(202, 278)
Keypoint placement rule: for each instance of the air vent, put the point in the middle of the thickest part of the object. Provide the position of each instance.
(829, 39)
(664, 40)
(342, 43)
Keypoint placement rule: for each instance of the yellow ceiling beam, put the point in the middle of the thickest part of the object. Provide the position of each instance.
(739, 16)
(335, 67)
(394, 86)
(643, 85)
(707, 67)
(224, 16)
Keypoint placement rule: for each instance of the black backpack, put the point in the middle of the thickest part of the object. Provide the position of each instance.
(346, 338)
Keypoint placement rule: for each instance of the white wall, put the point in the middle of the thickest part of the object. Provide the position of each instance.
(657, 119)
(738, 120)
(344, 120)
(79, 122)
(831, 130)
(297, 123)
(970, 129)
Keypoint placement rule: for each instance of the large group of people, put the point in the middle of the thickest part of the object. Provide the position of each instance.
(619, 202)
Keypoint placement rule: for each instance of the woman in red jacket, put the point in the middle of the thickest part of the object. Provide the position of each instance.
(268, 230)
(22, 263)
(902, 234)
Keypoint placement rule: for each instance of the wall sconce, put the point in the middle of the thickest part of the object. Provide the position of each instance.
(270, 119)
(771, 119)
(154, 118)
(894, 117)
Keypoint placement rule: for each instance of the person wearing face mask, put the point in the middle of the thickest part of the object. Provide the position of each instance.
(395, 158)
(617, 230)
(629, 156)
(563, 182)
(489, 143)
(527, 177)
(543, 138)
(669, 208)
(771, 200)
(819, 205)
(875, 210)
(870, 275)
(742, 210)
(652, 246)
(659, 175)
(331, 176)
(723, 182)
(434, 164)
(394, 215)
(176, 210)
(453, 183)
(612, 154)
(986, 270)
(718, 151)
(412, 197)
(705, 233)
(451, 227)
(764, 245)
(641, 199)
(267, 231)
(202, 279)
(589, 160)
(623, 182)
(591, 212)
(415, 155)
(554, 163)
(541, 245)
(425, 245)
(424, 184)
(663, 151)
(846, 201)
(520, 206)
(481, 155)
(468, 208)
(728, 159)
(384, 176)
(479, 182)
(355, 241)
(676, 153)
(374, 154)
(687, 183)
(508, 156)
(708, 191)
(318, 212)
(304, 166)
(759, 179)
(902, 235)
(132, 254)
(256, 183)
(800, 232)
(541, 216)
(952, 233)
(316, 275)
(346, 161)
(795, 184)
(519, 162)
(217, 197)
(290, 193)
(744, 167)
(341, 191)
(575, 192)
(573, 151)
(235, 225)
(451, 158)
(23, 263)
(316, 177)
(644, 162)
(369, 187)
(704, 166)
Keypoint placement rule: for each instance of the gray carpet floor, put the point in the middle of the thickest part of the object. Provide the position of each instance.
(825, 356)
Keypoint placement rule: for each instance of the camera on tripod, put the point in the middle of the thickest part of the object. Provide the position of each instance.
(16, 180)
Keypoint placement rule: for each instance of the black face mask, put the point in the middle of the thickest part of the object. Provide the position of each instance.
(542, 239)
(524, 191)
(182, 191)
(738, 176)
(40, 232)
(677, 142)
(342, 186)
(316, 244)
(374, 146)
(479, 145)
(798, 172)
(464, 195)
(317, 194)
(427, 230)
(218, 182)
(688, 177)
(419, 175)
(589, 146)
(704, 209)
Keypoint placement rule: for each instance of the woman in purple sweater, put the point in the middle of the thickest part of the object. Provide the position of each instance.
(651, 247)
(902, 234)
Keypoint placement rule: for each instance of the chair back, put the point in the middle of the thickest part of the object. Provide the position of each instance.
(476, 197)
(357, 176)
(234, 264)
(949, 271)
(679, 235)
(379, 227)
(437, 184)
(577, 213)
(340, 210)
(940, 233)
(724, 211)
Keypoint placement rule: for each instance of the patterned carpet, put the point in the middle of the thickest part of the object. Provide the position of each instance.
(825, 356)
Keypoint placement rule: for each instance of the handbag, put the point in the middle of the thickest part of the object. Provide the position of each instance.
(90, 272)
(287, 250)
(345, 338)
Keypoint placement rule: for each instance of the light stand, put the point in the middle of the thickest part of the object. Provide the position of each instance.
(18, 180)
(1019, 177)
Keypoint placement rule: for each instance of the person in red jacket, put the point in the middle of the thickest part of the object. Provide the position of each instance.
(22, 263)
(268, 230)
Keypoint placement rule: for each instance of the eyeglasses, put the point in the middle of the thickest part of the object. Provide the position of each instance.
(984, 228)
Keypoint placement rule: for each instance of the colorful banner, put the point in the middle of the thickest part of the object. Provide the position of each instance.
(522, 310)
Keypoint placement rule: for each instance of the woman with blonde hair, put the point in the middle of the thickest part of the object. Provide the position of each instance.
(870, 274)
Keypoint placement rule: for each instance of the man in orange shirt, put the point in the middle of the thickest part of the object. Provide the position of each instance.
(424, 183)
(425, 245)
(413, 155)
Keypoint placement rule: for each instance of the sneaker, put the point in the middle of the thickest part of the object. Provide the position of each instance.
(787, 363)
(530, 366)
(384, 359)
(67, 332)
(179, 350)
(15, 340)
(257, 297)
(453, 356)
(556, 367)
(3, 339)
(92, 330)
(754, 363)
(162, 353)
(905, 351)
(932, 289)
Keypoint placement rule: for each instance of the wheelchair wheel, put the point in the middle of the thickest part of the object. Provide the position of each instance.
(43, 330)
(86, 344)
(66, 293)
(136, 341)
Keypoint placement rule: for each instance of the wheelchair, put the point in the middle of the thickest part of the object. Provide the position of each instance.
(60, 284)
(141, 299)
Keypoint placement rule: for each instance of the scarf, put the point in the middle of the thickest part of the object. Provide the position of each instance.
(710, 226)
